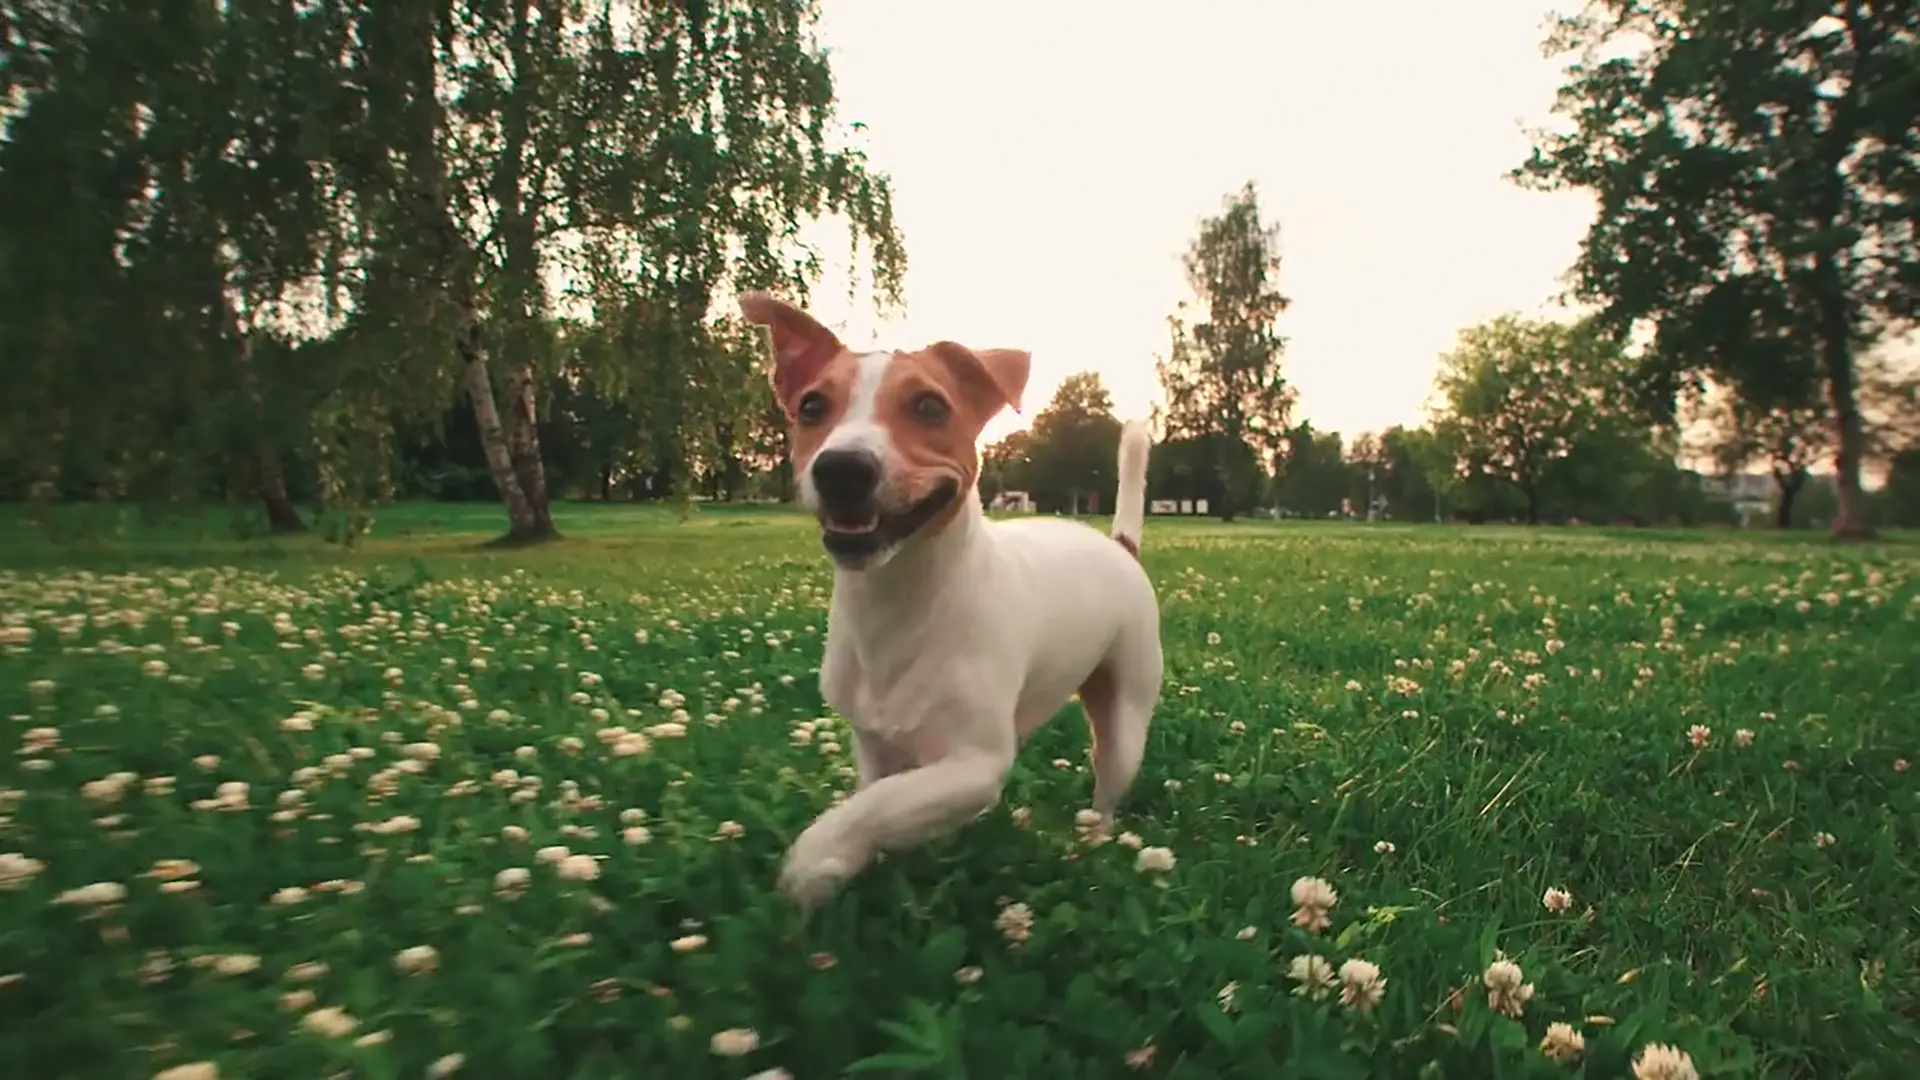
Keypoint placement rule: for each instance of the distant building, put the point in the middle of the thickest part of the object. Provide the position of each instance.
(1751, 494)
(1740, 487)
(1754, 494)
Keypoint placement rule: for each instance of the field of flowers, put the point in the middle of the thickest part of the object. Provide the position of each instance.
(1418, 803)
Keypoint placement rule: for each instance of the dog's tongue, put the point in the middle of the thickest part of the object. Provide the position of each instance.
(840, 526)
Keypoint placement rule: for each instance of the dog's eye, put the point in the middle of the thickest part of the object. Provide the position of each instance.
(813, 408)
(930, 408)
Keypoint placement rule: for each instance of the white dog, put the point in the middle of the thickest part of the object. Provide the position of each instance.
(951, 638)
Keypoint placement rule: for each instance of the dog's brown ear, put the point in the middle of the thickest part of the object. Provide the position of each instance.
(801, 347)
(995, 378)
(1008, 368)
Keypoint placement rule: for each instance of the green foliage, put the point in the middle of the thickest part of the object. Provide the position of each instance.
(1442, 725)
(1420, 475)
(1519, 394)
(1190, 468)
(1222, 373)
(1792, 439)
(1617, 474)
(159, 224)
(1755, 168)
(1901, 496)
(239, 236)
(1070, 454)
(1007, 465)
(1314, 475)
(1075, 446)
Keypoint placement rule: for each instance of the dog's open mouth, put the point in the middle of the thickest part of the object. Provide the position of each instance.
(851, 539)
(850, 527)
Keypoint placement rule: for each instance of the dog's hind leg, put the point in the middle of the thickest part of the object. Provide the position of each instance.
(1119, 698)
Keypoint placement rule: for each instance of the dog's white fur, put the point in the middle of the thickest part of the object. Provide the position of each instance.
(948, 650)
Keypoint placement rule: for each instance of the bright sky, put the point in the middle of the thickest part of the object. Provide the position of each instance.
(1052, 160)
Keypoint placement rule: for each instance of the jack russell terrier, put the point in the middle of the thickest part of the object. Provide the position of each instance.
(950, 638)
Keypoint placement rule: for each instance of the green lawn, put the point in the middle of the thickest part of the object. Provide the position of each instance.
(300, 812)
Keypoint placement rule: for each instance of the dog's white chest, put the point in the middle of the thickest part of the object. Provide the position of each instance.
(894, 714)
(913, 703)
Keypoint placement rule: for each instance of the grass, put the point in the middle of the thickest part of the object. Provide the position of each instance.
(293, 768)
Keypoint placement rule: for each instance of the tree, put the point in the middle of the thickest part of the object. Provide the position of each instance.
(295, 233)
(1902, 493)
(1075, 444)
(1438, 450)
(1889, 407)
(769, 438)
(1189, 469)
(1787, 438)
(1790, 435)
(590, 438)
(1519, 393)
(1618, 472)
(1415, 475)
(1756, 168)
(652, 155)
(1314, 474)
(161, 233)
(1222, 373)
(1367, 465)
(1007, 465)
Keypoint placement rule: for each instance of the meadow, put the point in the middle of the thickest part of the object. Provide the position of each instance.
(1419, 802)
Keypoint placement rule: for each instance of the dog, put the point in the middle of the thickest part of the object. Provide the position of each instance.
(950, 638)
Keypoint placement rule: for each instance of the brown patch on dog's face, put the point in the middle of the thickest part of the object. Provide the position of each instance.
(818, 407)
(933, 404)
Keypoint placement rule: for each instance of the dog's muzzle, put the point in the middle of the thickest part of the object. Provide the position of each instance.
(855, 525)
(847, 483)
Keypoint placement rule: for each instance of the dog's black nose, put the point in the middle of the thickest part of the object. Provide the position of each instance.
(846, 479)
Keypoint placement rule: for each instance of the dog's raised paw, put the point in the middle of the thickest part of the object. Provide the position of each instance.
(809, 883)
(819, 862)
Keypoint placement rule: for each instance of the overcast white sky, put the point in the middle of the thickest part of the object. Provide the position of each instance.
(1052, 159)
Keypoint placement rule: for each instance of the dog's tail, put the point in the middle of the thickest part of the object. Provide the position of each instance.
(1130, 503)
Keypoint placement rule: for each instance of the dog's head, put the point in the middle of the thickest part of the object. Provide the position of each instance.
(883, 442)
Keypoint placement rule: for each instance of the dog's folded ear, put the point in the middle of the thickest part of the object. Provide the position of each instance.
(801, 347)
(1009, 369)
(995, 378)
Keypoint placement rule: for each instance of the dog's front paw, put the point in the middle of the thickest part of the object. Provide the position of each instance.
(819, 862)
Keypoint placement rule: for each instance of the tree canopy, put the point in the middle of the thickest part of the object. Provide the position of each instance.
(1520, 394)
(312, 258)
(1756, 169)
(1222, 375)
(241, 237)
(1074, 444)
